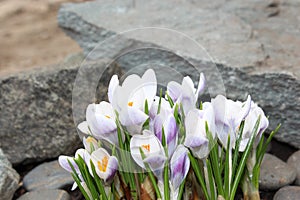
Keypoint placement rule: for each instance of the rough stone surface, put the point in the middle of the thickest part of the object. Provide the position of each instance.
(294, 160)
(274, 173)
(288, 193)
(46, 195)
(36, 121)
(48, 175)
(9, 178)
(256, 44)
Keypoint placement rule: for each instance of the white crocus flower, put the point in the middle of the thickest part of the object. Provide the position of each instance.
(186, 93)
(195, 125)
(228, 116)
(129, 99)
(153, 151)
(90, 143)
(250, 121)
(100, 122)
(105, 165)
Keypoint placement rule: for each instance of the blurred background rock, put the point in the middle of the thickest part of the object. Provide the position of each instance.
(30, 36)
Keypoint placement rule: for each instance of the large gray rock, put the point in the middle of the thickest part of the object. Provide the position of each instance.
(274, 173)
(9, 178)
(294, 161)
(256, 44)
(36, 121)
(49, 175)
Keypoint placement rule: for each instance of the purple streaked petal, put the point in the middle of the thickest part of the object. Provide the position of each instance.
(132, 116)
(179, 165)
(194, 141)
(63, 162)
(174, 90)
(112, 168)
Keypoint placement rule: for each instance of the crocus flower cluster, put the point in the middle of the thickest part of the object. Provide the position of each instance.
(143, 144)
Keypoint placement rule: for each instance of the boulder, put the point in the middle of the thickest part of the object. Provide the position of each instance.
(48, 175)
(36, 119)
(9, 178)
(294, 161)
(255, 46)
(274, 173)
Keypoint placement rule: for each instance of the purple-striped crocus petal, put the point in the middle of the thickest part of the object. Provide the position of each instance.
(219, 105)
(171, 133)
(63, 162)
(174, 90)
(179, 166)
(194, 141)
(201, 85)
(112, 168)
(156, 164)
(114, 82)
(150, 145)
(132, 116)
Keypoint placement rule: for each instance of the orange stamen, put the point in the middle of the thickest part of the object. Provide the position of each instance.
(146, 146)
(102, 165)
(130, 103)
(107, 116)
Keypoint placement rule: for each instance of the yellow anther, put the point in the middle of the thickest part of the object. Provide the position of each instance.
(130, 103)
(146, 146)
(90, 139)
(102, 165)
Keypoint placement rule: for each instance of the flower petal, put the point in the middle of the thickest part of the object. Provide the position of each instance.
(179, 166)
(114, 82)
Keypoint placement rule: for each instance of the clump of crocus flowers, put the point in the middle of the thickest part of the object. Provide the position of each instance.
(141, 145)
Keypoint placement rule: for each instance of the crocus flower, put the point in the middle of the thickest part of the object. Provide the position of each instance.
(105, 165)
(64, 163)
(165, 107)
(186, 93)
(129, 99)
(153, 151)
(90, 143)
(228, 116)
(100, 122)
(179, 166)
(250, 121)
(195, 125)
(166, 122)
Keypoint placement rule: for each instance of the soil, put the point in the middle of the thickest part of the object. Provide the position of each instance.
(30, 36)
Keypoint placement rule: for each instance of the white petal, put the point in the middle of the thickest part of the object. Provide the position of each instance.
(114, 82)
(84, 128)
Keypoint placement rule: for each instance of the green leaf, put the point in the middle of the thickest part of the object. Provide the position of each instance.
(166, 182)
(244, 158)
(227, 178)
(181, 189)
(151, 175)
(170, 100)
(98, 182)
(211, 180)
(236, 150)
(159, 103)
(198, 174)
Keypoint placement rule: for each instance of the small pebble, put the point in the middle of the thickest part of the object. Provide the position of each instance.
(46, 194)
(49, 175)
(294, 160)
(275, 173)
(288, 193)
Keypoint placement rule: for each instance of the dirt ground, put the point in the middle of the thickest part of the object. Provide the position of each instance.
(30, 36)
